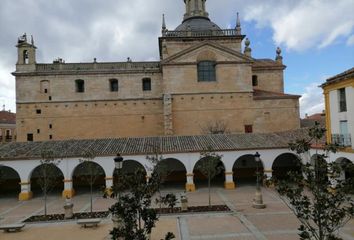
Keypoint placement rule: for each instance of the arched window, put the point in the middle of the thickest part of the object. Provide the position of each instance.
(113, 85)
(44, 86)
(80, 85)
(25, 57)
(206, 71)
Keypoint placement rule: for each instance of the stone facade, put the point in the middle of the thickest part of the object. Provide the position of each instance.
(246, 91)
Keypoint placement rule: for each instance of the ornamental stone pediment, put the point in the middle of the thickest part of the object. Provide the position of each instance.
(204, 51)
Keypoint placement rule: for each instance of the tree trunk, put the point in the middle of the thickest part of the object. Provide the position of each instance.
(91, 197)
(209, 191)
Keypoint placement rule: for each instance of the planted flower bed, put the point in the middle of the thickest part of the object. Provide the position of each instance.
(60, 217)
(84, 215)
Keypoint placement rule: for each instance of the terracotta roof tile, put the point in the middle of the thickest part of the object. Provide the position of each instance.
(7, 117)
(341, 76)
(147, 145)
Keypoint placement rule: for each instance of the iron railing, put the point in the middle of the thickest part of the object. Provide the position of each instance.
(205, 33)
(343, 140)
(98, 66)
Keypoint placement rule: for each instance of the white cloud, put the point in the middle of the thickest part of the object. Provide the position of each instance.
(304, 24)
(7, 87)
(312, 100)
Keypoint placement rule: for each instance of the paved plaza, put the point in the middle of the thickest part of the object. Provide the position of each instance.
(243, 222)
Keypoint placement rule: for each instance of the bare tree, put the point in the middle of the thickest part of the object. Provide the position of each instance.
(208, 165)
(90, 171)
(215, 127)
(159, 170)
(46, 174)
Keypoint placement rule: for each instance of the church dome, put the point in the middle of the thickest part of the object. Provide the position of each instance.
(197, 24)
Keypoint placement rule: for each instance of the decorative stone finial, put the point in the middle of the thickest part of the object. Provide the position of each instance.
(3, 107)
(164, 28)
(248, 50)
(95, 60)
(238, 25)
(32, 41)
(278, 57)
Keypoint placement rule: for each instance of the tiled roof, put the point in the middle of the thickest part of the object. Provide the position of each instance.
(147, 145)
(7, 117)
(261, 95)
(339, 77)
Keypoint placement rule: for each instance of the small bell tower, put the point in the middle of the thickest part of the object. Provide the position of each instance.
(26, 52)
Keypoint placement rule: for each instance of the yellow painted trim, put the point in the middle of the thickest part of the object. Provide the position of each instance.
(268, 170)
(67, 180)
(25, 196)
(68, 193)
(229, 185)
(25, 183)
(108, 178)
(347, 150)
(328, 119)
(229, 173)
(190, 174)
(337, 85)
(190, 187)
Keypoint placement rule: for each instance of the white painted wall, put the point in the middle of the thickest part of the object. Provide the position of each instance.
(350, 111)
(337, 116)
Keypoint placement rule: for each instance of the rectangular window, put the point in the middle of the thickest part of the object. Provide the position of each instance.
(254, 80)
(30, 137)
(50, 126)
(50, 98)
(38, 111)
(342, 100)
(248, 128)
(38, 131)
(80, 85)
(206, 71)
(113, 85)
(146, 84)
(50, 136)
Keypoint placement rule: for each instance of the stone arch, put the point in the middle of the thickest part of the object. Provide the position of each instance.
(202, 180)
(176, 172)
(57, 184)
(9, 181)
(80, 177)
(130, 166)
(244, 169)
(347, 168)
(285, 163)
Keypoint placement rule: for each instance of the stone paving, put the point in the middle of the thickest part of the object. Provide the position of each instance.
(276, 222)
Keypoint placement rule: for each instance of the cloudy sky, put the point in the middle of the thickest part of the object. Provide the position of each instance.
(317, 36)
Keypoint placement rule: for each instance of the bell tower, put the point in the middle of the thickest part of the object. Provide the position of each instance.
(195, 8)
(26, 53)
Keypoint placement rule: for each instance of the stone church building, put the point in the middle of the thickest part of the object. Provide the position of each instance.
(205, 81)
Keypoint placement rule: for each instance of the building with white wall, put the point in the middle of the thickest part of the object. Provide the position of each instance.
(339, 101)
